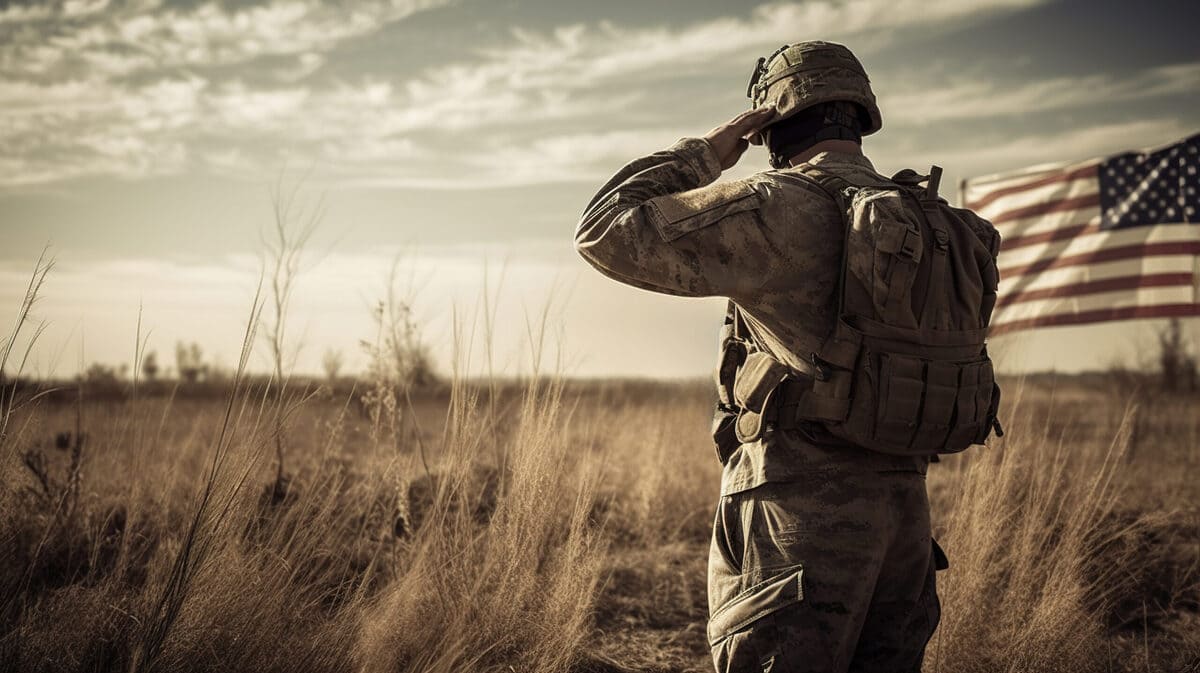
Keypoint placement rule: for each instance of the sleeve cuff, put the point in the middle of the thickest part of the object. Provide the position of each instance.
(700, 156)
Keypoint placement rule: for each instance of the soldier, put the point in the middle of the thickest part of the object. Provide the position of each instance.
(853, 352)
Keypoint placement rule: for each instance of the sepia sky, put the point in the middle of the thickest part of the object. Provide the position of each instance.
(142, 142)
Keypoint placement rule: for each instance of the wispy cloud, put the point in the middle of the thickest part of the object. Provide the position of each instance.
(992, 152)
(581, 56)
(147, 89)
(923, 102)
(96, 38)
(141, 88)
(571, 157)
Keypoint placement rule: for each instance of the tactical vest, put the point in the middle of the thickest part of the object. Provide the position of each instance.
(905, 369)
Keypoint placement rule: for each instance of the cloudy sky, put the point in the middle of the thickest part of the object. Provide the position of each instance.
(142, 142)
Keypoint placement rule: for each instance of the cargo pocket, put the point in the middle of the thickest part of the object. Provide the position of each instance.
(926, 406)
(741, 632)
(941, 398)
(976, 387)
(901, 386)
(896, 254)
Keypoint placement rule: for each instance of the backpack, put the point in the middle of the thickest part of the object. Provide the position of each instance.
(905, 369)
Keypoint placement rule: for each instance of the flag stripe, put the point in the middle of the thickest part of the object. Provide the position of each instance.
(1100, 315)
(1060, 234)
(1088, 171)
(1101, 285)
(1073, 203)
(1108, 255)
(1051, 222)
(975, 188)
(1101, 239)
(1093, 272)
(1152, 296)
(1043, 195)
(1110, 238)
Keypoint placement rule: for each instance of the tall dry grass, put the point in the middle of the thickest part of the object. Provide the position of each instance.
(1021, 519)
(1072, 540)
(1051, 534)
(188, 552)
(543, 526)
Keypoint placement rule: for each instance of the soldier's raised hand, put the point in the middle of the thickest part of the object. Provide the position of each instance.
(730, 140)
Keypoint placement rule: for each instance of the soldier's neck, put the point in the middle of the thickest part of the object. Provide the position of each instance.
(841, 146)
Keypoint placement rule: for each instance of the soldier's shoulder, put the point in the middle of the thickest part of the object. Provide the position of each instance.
(793, 185)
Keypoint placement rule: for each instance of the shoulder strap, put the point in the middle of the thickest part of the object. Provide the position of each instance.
(832, 184)
(839, 189)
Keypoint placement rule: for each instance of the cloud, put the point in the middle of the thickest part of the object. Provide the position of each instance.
(235, 106)
(582, 56)
(572, 157)
(18, 14)
(920, 102)
(136, 89)
(567, 72)
(989, 153)
(67, 39)
(73, 128)
(147, 89)
(565, 158)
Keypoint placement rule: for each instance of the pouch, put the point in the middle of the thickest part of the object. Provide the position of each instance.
(758, 377)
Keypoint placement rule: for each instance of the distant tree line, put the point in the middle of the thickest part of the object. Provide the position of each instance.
(190, 367)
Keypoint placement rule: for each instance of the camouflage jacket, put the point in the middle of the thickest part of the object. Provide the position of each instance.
(771, 242)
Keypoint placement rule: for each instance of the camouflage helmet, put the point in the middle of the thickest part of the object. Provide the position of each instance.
(798, 76)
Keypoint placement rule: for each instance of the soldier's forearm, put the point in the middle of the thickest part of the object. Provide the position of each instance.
(622, 232)
(688, 164)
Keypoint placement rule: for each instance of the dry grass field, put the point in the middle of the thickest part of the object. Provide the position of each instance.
(545, 527)
(539, 525)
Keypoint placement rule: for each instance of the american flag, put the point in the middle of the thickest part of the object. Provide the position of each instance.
(1115, 238)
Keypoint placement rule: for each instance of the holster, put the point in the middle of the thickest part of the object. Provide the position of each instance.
(757, 380)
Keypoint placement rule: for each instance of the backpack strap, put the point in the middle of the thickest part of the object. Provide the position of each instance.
(935, 314)
(841, 191)
(828, 399)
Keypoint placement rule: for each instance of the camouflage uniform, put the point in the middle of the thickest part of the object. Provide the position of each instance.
(821, 556)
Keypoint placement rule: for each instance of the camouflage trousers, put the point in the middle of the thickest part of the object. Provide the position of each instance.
(830, 573)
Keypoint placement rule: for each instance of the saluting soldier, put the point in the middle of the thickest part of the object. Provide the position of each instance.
(853, 352)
